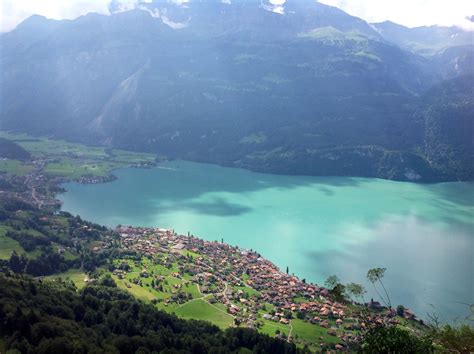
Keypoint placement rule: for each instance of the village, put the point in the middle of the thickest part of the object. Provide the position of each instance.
(242, 283)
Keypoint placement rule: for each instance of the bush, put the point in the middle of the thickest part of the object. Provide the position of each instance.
(394, 340)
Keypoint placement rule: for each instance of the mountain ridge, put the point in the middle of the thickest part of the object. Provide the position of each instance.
(304, 83)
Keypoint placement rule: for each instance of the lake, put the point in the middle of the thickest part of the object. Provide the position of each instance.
(317, 226)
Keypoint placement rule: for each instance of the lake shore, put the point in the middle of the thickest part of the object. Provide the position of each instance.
(301, 222)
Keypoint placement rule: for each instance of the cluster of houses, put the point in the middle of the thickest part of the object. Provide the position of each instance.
(33, 181)
(223, 270)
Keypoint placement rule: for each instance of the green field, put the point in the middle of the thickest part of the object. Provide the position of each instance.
(193, 290)
(333, 35)
(8, 245)
(246, 290)
(136, 290)
(73, 169)
(198, 308)
(15, 167)
(69, 159)
(270, 328)
(202, 310)
(77, 276)
(311, 333)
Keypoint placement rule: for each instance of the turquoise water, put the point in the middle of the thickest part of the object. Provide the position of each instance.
(317, 226)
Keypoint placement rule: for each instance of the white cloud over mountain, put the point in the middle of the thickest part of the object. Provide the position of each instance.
(410, 13)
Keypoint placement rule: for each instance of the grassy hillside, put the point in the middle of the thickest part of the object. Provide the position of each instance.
(50, 316)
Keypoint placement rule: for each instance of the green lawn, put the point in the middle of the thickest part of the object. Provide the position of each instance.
(68, 256)
(15, 167)
(72, 169)
(43, 146)
(246, 290)
(72, 160)
(270, 328)
(130, 156)
(190, 253)
(311, 332)
(202, 310)
(75, 275)
(333, 35)
(139, 292)
(193, 290)
(8, 245)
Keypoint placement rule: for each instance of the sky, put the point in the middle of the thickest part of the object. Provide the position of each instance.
(410, 13)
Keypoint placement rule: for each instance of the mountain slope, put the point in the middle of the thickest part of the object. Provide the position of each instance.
(292, 89)
(41, 316)
(447, 112)
(424, 40)
(10, 150)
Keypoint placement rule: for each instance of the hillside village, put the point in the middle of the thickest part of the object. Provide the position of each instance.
(245, 285)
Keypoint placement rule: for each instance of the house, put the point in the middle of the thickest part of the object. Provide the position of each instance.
(178, 247)
(324, 324)
(375, 305)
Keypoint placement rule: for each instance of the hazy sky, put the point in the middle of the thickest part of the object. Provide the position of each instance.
(407, 12)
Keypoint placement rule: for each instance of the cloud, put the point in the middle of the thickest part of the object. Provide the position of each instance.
(13, 12)
(179, 2)
(410, 13)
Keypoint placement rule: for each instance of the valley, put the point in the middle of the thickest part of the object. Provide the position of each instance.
(236, 176)
(181, 274)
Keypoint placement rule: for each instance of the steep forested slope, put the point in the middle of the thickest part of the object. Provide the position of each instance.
(51, 317)
(10, 150)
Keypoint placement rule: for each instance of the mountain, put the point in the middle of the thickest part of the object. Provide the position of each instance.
(300, 88)
(455, 61)
(424, 40)
(447, 113)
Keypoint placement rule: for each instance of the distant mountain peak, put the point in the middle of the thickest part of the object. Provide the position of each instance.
(34, 20)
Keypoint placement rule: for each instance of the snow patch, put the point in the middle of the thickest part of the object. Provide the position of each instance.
(275, 6)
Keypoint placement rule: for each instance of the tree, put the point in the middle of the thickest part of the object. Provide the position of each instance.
(338, 292)
(16, 263)
(400, 310)
(356, 290)
(454, 339)
(375, 275)
(332, 281)
(287, 270)
(393, 339)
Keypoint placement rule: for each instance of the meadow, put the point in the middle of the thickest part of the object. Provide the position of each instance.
(70, 160)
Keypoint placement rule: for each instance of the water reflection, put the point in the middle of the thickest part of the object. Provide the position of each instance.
(318, 226)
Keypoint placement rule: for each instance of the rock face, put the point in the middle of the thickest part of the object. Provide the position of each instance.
(298, 88)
